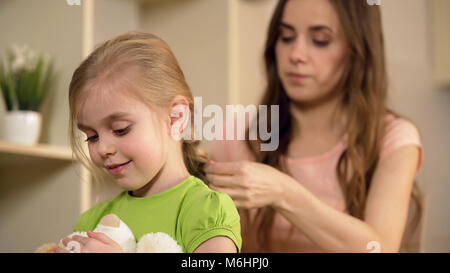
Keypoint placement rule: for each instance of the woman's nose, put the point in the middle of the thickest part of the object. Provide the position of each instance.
(299, 52)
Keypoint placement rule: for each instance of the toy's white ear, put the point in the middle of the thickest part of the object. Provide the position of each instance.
(117, 230)
(159, 242)
(111, 220)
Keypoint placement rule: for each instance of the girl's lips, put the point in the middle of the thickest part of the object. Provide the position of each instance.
(119, 168)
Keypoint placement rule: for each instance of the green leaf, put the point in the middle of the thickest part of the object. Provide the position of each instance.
(25, 89)
(7, 88)
(47, 82)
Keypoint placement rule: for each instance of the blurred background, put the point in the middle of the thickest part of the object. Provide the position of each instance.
(219, 46)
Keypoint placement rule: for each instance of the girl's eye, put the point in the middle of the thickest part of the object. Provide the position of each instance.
(119, 132)
(92, 139)
(123, 131)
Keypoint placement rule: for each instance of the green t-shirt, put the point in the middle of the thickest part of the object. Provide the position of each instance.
(189, 212)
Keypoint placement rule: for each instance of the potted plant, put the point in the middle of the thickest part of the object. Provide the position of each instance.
(25, 79)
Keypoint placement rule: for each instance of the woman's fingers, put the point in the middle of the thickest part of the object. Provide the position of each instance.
(224, 168)
(235, 194)
(240, 197)
(223, 180)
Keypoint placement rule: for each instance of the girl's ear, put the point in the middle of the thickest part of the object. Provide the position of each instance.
(179, 114)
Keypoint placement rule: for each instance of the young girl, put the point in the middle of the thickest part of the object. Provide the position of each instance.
(343, 174)
(130, 99)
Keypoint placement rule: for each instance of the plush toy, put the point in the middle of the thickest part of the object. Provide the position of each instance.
(117, 230)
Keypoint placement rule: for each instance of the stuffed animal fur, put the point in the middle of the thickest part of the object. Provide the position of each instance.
(116, 229)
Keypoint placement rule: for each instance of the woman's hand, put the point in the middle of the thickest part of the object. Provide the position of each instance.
(249, 184)
(96, 242)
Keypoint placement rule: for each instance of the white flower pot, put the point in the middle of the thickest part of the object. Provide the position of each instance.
(22, 127)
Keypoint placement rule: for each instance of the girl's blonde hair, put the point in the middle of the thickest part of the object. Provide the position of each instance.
(160, 79)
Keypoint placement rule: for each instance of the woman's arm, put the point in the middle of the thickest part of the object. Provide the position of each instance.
(332, 230)
(385, 214)
(218, 244)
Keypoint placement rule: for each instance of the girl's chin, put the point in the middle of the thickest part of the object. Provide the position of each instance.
(131, 182)
(127, 183)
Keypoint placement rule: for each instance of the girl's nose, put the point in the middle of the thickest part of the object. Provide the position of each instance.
(106, 148)
(299, 52)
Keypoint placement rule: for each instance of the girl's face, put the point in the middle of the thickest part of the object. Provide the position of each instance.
(310, 50)
(125, 137)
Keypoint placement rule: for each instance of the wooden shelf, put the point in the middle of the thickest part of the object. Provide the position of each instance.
(11, 153)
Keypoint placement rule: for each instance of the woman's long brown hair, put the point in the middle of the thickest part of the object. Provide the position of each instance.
(364, 84)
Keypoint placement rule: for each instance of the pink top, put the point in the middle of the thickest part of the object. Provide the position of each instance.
(318, 175)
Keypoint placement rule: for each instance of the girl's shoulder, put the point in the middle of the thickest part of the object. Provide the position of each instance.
(205, 214)
(200, 195)
(399, 132)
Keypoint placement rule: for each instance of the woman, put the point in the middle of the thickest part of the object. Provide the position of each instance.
(343, 174)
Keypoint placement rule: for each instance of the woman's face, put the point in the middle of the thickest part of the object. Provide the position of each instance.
(310, 50)
(123, 132)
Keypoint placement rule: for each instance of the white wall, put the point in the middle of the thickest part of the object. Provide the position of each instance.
(114, 17)
(253, 18)
(196, 32)
(407, 34)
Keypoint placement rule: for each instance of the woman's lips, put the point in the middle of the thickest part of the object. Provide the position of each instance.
(119, 168)
(297, 77)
